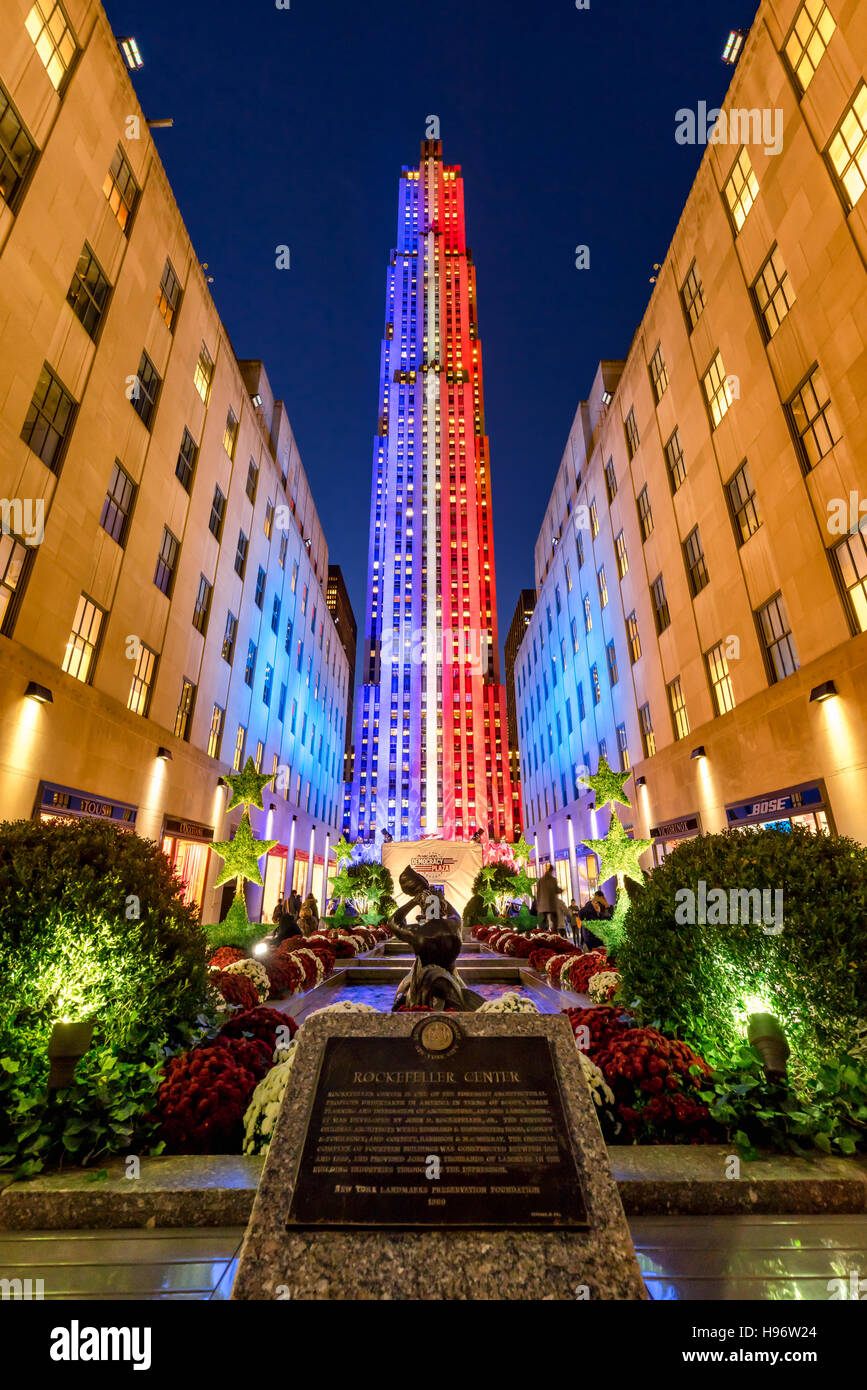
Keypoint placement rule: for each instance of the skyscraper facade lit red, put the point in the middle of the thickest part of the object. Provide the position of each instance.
(431, 747)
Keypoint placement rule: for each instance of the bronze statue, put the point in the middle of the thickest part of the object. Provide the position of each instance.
(436, 940)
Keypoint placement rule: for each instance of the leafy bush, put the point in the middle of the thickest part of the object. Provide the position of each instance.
(700, 981)
(92, 925)
(368, 887)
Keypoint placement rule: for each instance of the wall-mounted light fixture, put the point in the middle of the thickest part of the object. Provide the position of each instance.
(826, 691)
(164, 754)
(698, 752)
(734, 44)
(40, 693)
(131, 53)
(641, 781)
(607, 398)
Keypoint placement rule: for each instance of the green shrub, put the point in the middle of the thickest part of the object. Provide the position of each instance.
(92, 925)
(370, 889)
(699, 981)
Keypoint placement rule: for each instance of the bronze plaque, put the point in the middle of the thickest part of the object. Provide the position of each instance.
(438, 1129)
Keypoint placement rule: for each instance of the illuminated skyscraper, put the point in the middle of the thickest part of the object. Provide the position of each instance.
(430, 748)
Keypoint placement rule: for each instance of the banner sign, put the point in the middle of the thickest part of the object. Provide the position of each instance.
(809, 796)
(64, 801)
(676, 829)
(187, 829)
(452, 864)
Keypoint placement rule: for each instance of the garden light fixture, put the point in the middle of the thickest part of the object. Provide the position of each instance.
(66, 1046)
(765, 1034)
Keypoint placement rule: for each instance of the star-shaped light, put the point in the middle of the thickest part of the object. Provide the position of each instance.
(343, 850)
(242, 853)
(521, 850)
(246, 787)
(607, 785)
(618, 855)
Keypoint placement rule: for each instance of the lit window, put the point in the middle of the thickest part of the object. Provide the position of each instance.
(633, 638)
(602, 586)
(169, 295)
(675, 462)
(720, 680)
(645, 515)
(717, 390)
(622, 557)
(741, 189)
(204, 373)
(215, 733)
(142, 681)
(743, 504)
(848, 148)
(83, 640)
(622, 748)
(16, 561)
(230, 434)
(814, 419)
(773, 293)
(677, 708)
(52, 34)
(240, 740)
(696, 566)
(658, 374)
(811, 33)
(850, 555)
(184, 716)
(648, 738)
(121, 189)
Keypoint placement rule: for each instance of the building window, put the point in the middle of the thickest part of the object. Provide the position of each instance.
(594, 519)
(49, 419)
(692, 297)
(230, 434)
(186, 463)
(142, 681)
(720, 680)
(574, 628)
(847, 151)
(202, 605)
(741, 189)
(241, 555)
(52, 35)
(773, 293)
(184, 716)
(260, 756)
(269, 518)
(610, 480)
(805, 47)
(117, 507)
(850, 555)
(579, 548)
(164, 574)
(632, 440)
(660, 604)
(677, 707)
(284, 543)
(645, 515)
(717, 391)
(268, 686)
(17, 150)
(252, 479)
(250, 667)
(80, 655)
(658, 374)
(602, 586)
(169, 295)
(218, 512)
(581, 710)
(240, 740)
(632, 637)
(622, 748)
(88, 293)
(611, 654)
(813, 419)
(121, 190)
(204, 373)
(594, 681)
(648, 738)
(229, 636)
(675, 462)
(620, 552)
(744, 508)
(588, 616)
(16, 561)
(778, 644)
(696, 566)
(259, 596)
(145, 390)
(275, 613)
(215, 733)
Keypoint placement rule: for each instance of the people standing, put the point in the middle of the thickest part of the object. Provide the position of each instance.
(598, 909)
(548, 901)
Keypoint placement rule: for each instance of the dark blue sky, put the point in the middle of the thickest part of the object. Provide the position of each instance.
(291, 127)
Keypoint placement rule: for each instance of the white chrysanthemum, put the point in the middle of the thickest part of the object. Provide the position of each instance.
(344, 1006)
(255, 972)
(261, 1114)
(599, 1088)
(509, 1003)
(600, 983)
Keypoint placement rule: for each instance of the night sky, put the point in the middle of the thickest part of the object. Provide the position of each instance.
(291, 127)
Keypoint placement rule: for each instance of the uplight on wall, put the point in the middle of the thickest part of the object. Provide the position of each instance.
(164, 754)
(40, 693)
(698, 752)
(641, 781)
(826, 691)
(132, 56)
(734, 44)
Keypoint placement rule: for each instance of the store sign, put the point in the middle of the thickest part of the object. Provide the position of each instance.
(188, 829)
(676, 829)
(64, 801)
(810, 796)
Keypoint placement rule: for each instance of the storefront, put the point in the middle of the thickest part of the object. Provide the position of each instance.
(58, 803)
(187, 845)
(806, 805)
(671, 832)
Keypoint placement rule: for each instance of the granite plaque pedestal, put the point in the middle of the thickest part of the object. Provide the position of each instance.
(519, 1201)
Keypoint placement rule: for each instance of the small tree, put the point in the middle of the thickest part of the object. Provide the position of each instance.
(368, 887)
(241, 857)
(618, 855)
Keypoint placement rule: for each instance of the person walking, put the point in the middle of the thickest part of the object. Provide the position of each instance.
(548, 901)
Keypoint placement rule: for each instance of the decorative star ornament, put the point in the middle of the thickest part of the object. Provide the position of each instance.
(618, 855)
(246, 787)
(521, 850)
(343, 850)
(607, 785)
(242, 853)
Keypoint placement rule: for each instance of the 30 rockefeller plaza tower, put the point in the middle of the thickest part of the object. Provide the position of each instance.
(430, 737)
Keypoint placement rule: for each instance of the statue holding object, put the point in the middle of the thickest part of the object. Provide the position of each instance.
(436, 940)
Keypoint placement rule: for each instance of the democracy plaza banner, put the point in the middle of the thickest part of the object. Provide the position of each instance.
(451, 865)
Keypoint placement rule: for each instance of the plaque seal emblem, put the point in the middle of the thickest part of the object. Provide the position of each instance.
(436, 1037)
